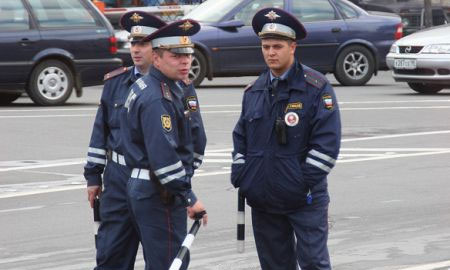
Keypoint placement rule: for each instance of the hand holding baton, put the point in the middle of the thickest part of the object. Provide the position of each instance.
(186, 245)
(241, 223)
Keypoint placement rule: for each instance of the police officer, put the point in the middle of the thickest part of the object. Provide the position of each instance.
(157, 134)
(117, 241)
(286, 142)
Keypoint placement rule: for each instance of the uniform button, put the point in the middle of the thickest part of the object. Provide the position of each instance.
(115, 104)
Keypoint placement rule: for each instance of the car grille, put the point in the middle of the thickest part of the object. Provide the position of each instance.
(410, 49)
(418, 71)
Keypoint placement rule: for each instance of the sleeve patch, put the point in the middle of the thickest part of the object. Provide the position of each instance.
(166, 122)
(327, 101)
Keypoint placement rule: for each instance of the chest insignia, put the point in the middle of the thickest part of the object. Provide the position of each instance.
(291, 119)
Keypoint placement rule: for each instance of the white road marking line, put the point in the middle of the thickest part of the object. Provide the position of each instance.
(394, 108)
(22, 209)
(392, 156)
(68, 163)
(394, 101)
(45, 116)
(44, 255)
(396, 136)
(430, 266)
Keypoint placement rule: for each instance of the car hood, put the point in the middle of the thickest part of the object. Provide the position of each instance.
(435, 35)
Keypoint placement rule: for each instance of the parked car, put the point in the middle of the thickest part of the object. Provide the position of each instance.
(342, 39)
(47, 48)
(422, 60)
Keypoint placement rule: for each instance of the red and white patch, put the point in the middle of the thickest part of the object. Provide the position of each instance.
(291, 119)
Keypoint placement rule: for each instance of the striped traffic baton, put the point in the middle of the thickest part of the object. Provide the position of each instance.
(241, 223)
(186, 245)
(97, 220)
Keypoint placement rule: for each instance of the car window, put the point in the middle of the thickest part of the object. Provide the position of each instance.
(13, 16)
(313, 10)
(61, 13)
(246, 14)
(346, 10)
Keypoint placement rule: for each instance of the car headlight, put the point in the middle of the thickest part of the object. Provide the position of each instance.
(436, 48)
(393, 49)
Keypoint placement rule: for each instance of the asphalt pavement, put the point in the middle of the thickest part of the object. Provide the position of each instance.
(389, 190)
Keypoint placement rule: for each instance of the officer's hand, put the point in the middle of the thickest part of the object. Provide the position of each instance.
(93, 192)
(197, 208)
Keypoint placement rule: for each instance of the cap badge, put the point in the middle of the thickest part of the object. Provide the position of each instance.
(136, 17)
(186, 26)
(272, 15)
(184, 40)
(137, 29)
(272, 27)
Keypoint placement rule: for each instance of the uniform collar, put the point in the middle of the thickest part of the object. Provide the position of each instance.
(295, 77)
(174, 88)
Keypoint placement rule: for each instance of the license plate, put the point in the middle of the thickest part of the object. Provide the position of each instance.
(405, 63)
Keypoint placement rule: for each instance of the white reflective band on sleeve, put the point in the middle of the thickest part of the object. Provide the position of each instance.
(198, 156)
(239, 161)
(322, 156)
(176, 264)
(237, 156)
(96, 160)
(171, 177)
(169, 168)
(318, 164)
(98, 151)
(188, 241)
(241, 217)
(143, 174)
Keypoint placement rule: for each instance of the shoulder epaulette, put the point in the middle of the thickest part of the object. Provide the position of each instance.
(165, 91)
(249, 86)
(315, 80)
(114, 73)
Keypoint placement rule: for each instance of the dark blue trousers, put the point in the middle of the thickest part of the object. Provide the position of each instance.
(117, 241)
(283, 240)
(161, 228)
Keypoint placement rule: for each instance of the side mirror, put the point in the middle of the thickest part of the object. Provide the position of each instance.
(231, 24)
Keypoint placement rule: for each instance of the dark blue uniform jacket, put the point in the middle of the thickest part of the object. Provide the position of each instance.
(106, 131)
(275, 177)
(157, 133)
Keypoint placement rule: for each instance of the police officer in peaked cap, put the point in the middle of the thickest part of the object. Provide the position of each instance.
(106, 171)
(158, 136)
(286, 142)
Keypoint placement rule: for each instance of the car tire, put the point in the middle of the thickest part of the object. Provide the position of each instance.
(51, 83)
(198, 68)
(424, 88)
(8, 98)
(355, 66)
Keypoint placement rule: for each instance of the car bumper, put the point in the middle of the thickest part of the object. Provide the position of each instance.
(430, 68)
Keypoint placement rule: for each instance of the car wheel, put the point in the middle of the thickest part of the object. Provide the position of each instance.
(425, 88)
(354, 66)
(51, 83)
(198, 68)
(8, 98)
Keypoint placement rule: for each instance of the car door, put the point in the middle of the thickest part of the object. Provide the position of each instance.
(240, 48)
(325, 30)
(18, 41)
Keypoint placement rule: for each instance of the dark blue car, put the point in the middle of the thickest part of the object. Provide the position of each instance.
(342, 39)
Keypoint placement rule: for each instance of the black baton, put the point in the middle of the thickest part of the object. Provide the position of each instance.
(186, 245)
(97, 220)
(241, 223)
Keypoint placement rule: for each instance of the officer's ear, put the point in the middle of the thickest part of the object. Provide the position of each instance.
(156, 57)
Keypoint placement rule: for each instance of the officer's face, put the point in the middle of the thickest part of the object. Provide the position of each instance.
(278, 54)
(141, 53)
(175, 66)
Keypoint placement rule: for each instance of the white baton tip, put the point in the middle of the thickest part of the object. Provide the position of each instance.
(241, 218)
(176, 264)
(96, 226)
(240, 246)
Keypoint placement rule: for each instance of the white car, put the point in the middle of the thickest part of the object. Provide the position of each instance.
(422, 59)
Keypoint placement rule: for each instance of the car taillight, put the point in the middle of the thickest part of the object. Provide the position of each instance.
(113, 44)
(399, 31)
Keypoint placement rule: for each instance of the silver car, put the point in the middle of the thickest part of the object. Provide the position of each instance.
(422, 60)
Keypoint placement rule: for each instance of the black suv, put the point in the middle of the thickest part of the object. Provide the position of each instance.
(50, 47)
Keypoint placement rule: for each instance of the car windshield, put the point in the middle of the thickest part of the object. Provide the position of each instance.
(212, 11)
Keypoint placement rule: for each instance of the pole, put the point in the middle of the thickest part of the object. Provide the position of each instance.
(241, 223)
(186, 245)
(428, 13)
(97, 219)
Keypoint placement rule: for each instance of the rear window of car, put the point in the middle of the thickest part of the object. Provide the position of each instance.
(13, 16)
(62, 13)
(313, 10)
